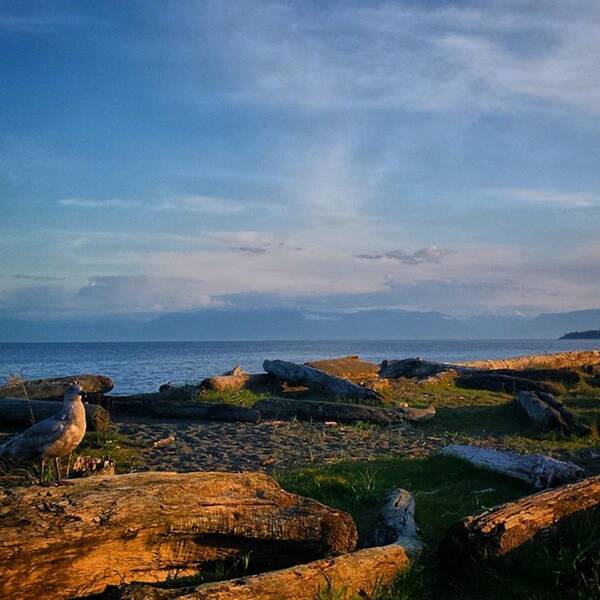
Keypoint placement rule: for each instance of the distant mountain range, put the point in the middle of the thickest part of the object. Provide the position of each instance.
(287, 324)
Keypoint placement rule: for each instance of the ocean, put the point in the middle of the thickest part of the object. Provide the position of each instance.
(144, 366)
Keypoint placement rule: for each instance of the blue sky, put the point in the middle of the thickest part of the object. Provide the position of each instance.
(178, 155)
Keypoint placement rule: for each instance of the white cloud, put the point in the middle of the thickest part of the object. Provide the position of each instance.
(547, 197)
(99, 204)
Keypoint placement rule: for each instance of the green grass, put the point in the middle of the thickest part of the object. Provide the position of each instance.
(240, 397)
(446, 490)
(120, 448)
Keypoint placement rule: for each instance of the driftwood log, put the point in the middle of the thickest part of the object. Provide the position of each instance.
(353, 575)
(321, 381)
(556, 360)
(506, 527)
(54, 389)
(418, 368)
(309, 410)
(347, 367)
(154, 405)
(546, 412)
(16, 410)
(536, 469)
(507, 384)
(67, 541)
(397, 523)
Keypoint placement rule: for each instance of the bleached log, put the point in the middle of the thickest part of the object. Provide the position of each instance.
(319, 380)
(397, 523)
(536, 469)
(354, 575)
(68, 541)
(546, 412)
(417, 367)
(311, 410)
(16, 410)
(506, 527)
(55, 388)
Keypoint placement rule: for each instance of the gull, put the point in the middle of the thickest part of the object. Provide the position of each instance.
(51, 438)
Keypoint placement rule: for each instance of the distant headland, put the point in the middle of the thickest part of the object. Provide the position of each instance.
(591, 334)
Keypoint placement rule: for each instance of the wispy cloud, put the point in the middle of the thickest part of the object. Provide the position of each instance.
(431, 254)
(203, 204)
(546, 197)
(100, 204)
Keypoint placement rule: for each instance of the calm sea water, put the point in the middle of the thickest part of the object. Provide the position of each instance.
(143, 366)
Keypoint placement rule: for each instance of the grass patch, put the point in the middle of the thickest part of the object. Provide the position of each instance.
(239, 397)
(118, 447)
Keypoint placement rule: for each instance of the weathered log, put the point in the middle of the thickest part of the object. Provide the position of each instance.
(397, 524)
(67, 541)
(347, 367)
(319, 380)
(564, 376)
(417, 367)
(55, 388)
(546, 412)
(256, 382)
(557, 360)
(539, 470)
(312, 410)
(16, 410)
(153, 405)
(504, 383)
(354, 575)
(506, 527)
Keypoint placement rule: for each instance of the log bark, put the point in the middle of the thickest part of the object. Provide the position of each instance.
(55, 388)
(319, 380)
(73, 540)
(417, 367)
(310, 410)
(347, 367)
(397, 524)
(510, 525)
(354, 575)
(547, 413)
(256, 382)
(556, 360)
(505, 383)
(16, 410)
(153, 405)
(536, 469)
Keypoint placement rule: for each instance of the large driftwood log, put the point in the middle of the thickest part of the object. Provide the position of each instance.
(548, 413)
(557, 360)
(397, 523)
(319, 380)
(539, 470)
(504, 383)
(55, 388)
(154, 405)
(347, 367)
(417, 367)
(310, 410)
(354, 575)
(61, 542)
(504, 528)
(17, 410)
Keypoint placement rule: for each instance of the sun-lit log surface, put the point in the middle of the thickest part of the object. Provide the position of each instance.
(353, 575)
(59, 542)
(506, 527)
(55, 388)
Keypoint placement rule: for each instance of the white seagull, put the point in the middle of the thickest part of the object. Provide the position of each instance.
(53, 437)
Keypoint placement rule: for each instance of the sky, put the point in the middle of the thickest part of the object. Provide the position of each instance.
(165, 156)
